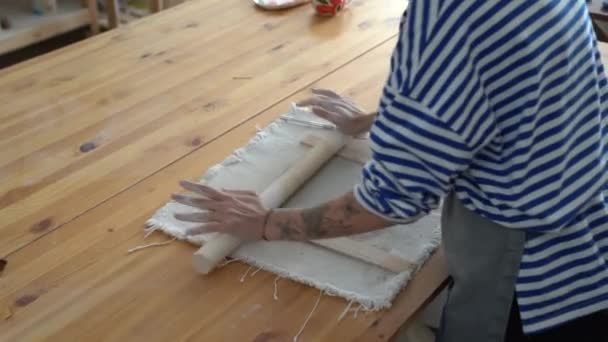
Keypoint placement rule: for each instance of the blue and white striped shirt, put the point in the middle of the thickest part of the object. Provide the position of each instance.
(504, 103)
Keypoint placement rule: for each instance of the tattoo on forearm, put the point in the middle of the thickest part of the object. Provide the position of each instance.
(321, 220)
(351, 210)
(313, 221)
(288, 230)
(343, 216)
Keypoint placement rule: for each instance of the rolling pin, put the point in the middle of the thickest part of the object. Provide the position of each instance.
(218, 248)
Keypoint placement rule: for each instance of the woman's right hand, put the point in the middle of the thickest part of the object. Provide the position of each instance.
(343, 112)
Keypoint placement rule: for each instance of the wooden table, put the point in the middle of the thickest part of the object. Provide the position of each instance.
(94, 137)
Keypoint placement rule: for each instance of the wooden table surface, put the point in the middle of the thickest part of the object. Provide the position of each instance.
(94, 137)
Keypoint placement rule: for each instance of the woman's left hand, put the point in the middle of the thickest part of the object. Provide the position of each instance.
(234, 212)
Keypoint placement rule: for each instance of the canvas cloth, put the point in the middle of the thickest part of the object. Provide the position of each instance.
(256, 165)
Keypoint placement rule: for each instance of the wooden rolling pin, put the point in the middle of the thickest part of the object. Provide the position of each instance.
(217, 249)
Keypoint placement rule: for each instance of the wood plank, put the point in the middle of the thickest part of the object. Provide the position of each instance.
(95, 50)
(183, 35)
(75, 153)
(174, 32)
(368, 253)
(78, 283)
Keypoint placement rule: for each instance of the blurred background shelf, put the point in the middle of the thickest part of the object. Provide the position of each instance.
(27, 27)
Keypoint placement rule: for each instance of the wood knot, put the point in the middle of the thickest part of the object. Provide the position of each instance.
(278, 47)
(3, 263)
(23, 85)
(270, 26)
(42, 225)
(271, 336)
(291, 80)
(195, 142)
(364, 25)
(62, 79)
(213, 105)
(102, 102)
(392, 20)
(26, 300)
(15, 195)
(87, 147)
(110, 230)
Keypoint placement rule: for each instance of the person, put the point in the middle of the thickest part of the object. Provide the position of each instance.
(496, 111)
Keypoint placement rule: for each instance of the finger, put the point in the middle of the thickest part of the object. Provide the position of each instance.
(199, 203)
(351, 109)
(326, 92)
(249, 200)
(333, 117)
(196, 202)
(305, 103)
(240, 192)
(337, 99)
(192, 217)
(345, 111)
(204, 228)
(244, 196)
(338, 106)
(315, 100)
(202, 190)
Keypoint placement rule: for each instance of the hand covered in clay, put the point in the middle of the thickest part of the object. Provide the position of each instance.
(341, 111)
(238, 213)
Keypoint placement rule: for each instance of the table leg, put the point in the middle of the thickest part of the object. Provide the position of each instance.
(93, 13)
(113, 13)
(156, 5)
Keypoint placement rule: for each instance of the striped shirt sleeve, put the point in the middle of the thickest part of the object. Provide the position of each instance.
(420, 142)
(416, 157)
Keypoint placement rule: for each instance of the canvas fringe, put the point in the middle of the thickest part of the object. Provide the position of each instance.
(154, 244)
(367, 303)
(149, 231)
(256, 271)
(295, 338)
(229, 261)
(242, 280)
(346, 310)
(275, 294)
(357, 311)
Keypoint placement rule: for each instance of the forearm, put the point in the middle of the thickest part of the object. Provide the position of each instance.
(339, 217)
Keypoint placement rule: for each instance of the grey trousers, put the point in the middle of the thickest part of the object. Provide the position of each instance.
(483, 260)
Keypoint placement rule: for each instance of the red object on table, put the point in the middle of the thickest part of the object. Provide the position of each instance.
(329, 7)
